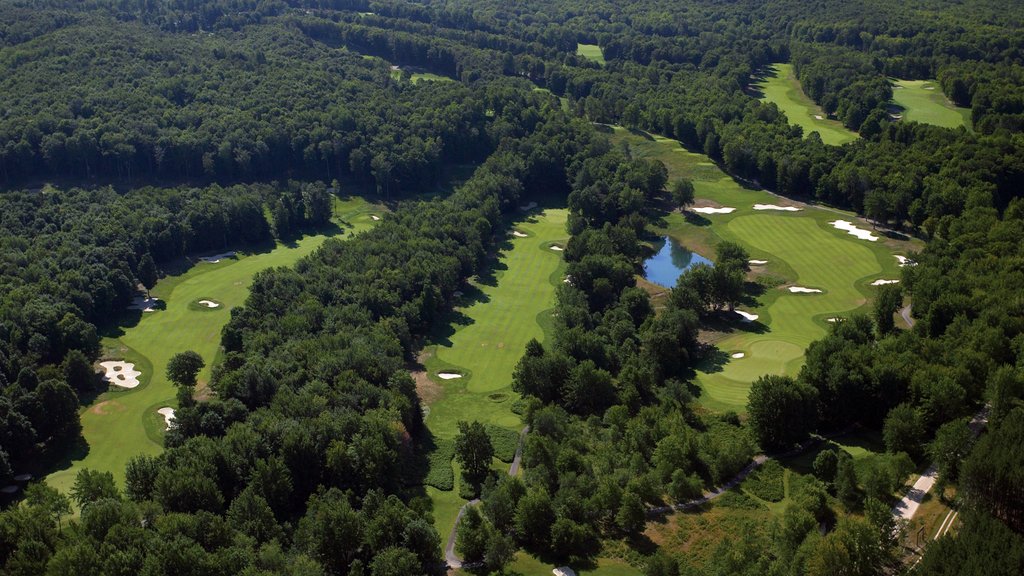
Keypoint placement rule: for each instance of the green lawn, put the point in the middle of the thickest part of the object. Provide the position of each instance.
(121, 423)
(801, 248)
(923, 101)
(591, 52)
(783, 88)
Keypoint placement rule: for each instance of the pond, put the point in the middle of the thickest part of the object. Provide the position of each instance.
(670, 261)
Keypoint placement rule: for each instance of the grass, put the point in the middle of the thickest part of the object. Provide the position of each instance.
(923, 101)
(498, 314)
(120, 423)
(839, 264)
(421, 76)
(782, 87)
(527, 565)
(591, 52)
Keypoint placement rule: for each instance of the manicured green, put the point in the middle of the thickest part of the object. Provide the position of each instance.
(923, 101)
(591, 52)
(802, 249)
(782, 87)
(123, 423)
(494, 320)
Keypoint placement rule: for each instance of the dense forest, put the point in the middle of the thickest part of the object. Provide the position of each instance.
(135, 135)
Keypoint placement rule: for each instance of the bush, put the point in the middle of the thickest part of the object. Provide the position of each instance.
(441, 475)
(505, 442)
(767, 482)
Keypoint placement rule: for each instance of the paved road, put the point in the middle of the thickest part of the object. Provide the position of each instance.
(453, 561)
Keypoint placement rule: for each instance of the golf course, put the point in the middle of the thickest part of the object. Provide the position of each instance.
(812, 271)
(122, 423)
(781, 86)
(591, 52)
(923, 101)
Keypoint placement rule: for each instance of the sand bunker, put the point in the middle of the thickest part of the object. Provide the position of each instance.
(819, 117)
(563, 571)
(374, 217)
(22, 477)
(757, 262)
(568, 280)
(802, 290)
(738, 355)
(448, 375)
(776, 207)
(904, 261)
(9, 489)
(518, 234)
(853, 230)
(929, 87)
(747, 316)
(144, 304)
(121, 373)
(711, 210)
(882, 282)
(217, 257)
(557, 248)
(168, 414)
(209, 304)
(529, 206)
(833, 320)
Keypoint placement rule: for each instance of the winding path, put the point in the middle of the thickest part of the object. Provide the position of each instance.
(453, 561)
(905, 313)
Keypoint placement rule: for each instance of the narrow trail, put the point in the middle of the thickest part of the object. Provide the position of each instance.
(453, 561)
(905, 313)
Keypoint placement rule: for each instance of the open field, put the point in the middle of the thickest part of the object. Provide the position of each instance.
(923, 101)
(802, 249)
(782, 87)
(120, 423)
(591, 52)
(497, 316)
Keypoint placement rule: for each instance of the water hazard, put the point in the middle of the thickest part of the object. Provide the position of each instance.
(670, 261)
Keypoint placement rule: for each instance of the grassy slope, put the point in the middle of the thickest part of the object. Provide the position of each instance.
(839, 264)
(591, 52)
(784, 90)
(120, 424)
(487, 337)
(919, 104)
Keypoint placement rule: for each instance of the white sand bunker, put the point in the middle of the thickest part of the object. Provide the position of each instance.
(518, 234)
(217, 257)
(757, 262)
(929, 87)
(168, 414)
(738, 355)
(833, 320)
(144, 304)
(568, 280)
(802, 290)
(853, 230)
(819, 117)
(529, 206)
(22, 477)
(121, 373)
(883, 282)
(747, 316)
(904, 261)
(712, 210)
(209, 304)
(557, 248)
(374, 217)
(776, 207)
(448, 375)
(563, 571)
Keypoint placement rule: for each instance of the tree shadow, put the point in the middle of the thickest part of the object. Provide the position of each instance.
(714, 360)
(641, 134)
(695, 219)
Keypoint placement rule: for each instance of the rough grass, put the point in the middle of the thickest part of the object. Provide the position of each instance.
(767, 482)
(802, 248)
(120, 424)
(441, 475)
(505, 442)
(914, 100)
(782, 87)
(591, 52)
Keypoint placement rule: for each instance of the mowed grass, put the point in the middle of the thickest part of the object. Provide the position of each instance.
(923, 101)
(487, 337)
(591, 52)
(782, 87)
(123, 423)
(802, 249)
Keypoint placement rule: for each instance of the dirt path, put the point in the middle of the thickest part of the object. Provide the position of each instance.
(905, 313)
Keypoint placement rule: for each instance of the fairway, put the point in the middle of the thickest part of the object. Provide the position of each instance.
(591, 52)
(120, 424)
(782, 87)
(923, 101)
(501, 314)
(802, 249)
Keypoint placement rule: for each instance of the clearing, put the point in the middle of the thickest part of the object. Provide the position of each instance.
(591, 52)
(923, 101)
(781, 86)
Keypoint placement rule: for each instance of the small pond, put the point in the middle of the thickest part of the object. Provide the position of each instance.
(670, 261)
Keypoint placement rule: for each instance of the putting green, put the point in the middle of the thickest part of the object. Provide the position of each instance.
(923, 101)
(487, 338)
(120, 423)
(591, 52)
(783, 88)
(802, 249)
